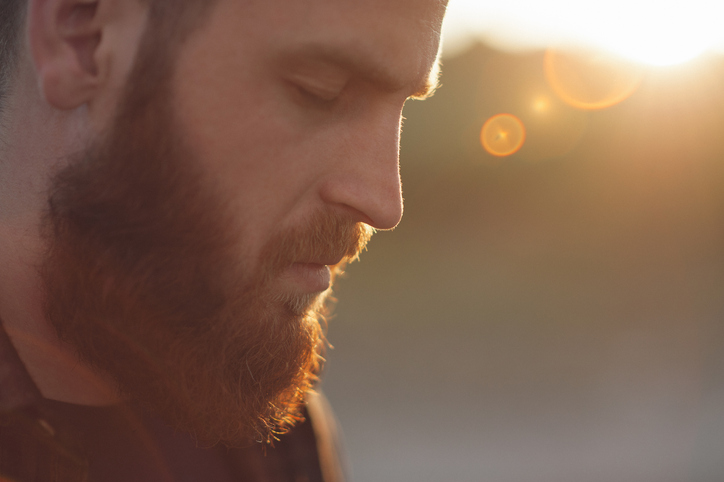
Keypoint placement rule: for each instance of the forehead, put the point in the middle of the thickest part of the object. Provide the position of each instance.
(402, 35)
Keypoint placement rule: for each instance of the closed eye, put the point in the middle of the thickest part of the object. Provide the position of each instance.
(320, 91)
(319, 82)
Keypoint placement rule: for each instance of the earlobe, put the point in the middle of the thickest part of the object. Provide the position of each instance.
(64, 36)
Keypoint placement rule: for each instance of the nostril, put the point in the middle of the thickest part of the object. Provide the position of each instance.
(368, 197)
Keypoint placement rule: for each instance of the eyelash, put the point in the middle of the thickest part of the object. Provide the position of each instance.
(317, 99)
(313, 97)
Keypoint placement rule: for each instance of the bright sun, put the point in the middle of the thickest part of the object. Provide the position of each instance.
(657, 33)
(664, 32)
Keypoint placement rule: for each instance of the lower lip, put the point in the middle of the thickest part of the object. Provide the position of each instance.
(309, 277)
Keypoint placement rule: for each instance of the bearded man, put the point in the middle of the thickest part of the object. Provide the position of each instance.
(180, 183)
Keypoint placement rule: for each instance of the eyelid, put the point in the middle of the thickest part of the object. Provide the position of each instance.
(325, 86)
(321, 91)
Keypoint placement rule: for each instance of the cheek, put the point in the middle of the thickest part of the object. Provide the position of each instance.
(252, 153)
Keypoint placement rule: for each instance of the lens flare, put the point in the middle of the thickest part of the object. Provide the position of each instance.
(591, 80)
(503, 135)
(541, 104)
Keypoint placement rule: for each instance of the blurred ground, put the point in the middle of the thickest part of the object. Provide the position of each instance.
(551, 316)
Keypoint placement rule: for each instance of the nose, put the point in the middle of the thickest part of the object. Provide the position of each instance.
(365, 173)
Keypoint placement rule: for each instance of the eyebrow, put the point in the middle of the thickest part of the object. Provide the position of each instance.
(368, 67)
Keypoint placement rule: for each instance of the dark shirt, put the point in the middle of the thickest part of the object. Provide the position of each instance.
(122, 444)
(43, 440)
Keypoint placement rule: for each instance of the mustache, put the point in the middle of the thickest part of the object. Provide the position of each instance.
(324, 236)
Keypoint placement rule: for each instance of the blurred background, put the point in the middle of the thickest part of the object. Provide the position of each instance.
(549, 309)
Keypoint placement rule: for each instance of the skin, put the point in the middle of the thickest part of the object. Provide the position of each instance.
(293, 108)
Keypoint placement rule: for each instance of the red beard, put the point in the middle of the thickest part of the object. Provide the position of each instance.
(143, 280)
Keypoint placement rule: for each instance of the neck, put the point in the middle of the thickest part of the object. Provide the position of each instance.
(52, 364)
(34, 138)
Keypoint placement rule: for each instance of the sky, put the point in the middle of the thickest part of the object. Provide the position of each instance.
(655, 32)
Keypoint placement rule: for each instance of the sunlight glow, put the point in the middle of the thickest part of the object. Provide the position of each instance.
(541, 104)
(665, 32)
(502, 135)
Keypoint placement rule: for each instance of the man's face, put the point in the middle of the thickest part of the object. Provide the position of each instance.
(192, 245)
(295, 107)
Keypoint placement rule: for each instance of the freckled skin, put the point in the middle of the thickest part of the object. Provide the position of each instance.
(279, 158)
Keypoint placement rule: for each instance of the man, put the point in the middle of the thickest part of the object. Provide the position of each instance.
(180, 183)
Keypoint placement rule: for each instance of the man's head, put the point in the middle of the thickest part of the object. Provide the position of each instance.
(222, 160)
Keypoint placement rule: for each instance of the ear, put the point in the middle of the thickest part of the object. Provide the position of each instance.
(74, 44)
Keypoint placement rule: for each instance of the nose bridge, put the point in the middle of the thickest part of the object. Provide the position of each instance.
(366, 174)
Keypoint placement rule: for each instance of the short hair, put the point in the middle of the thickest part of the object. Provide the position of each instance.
(12, 15)
(183, 15)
